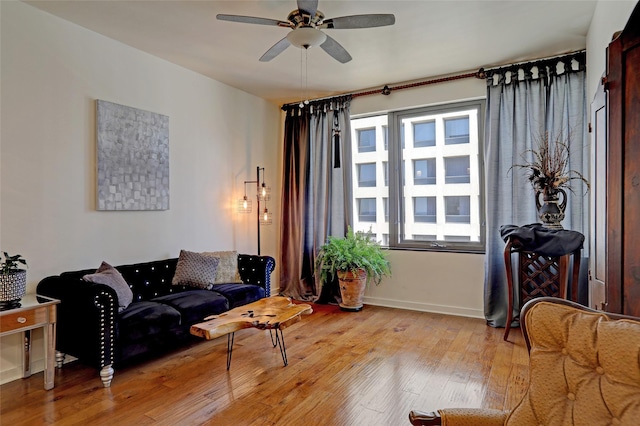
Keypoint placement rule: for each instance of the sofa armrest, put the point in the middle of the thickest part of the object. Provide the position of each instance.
(86, 318)
(256, 270)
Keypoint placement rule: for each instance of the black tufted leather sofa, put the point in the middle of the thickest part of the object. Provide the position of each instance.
(90, 328)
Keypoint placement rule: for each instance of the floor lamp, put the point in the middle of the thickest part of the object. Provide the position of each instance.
(263, 193)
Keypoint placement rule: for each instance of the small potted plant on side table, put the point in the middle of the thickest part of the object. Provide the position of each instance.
(13, 280)
(356, 259)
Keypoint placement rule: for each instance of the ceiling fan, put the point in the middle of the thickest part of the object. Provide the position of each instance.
(305, 24)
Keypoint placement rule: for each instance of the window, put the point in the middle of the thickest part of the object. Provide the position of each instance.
(385, 204)
(431, 191)
(366, 175)
(424, 171)
(367, 209)
(457, 209)
(420, 237)
(385, 172)
(366, 140)
(424, 134)
(456, 131)
(456, 170)
(424, 209)
(385, 137)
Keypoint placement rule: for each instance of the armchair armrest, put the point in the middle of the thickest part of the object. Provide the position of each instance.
(459, 417)
(256, 270)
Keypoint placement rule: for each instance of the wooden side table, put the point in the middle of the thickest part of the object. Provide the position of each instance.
(539, 275)
(33, 312)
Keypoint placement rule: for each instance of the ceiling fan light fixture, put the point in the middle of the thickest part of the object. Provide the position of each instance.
(306, 37)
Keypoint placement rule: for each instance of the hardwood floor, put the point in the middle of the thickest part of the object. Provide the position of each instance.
(365, 368)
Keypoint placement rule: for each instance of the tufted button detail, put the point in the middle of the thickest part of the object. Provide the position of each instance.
(571, 396)
(564, 351)
(600, 370)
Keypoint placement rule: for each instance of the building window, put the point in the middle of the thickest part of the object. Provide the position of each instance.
(385, 172)
(422, 237)
(424, 134)
(367, 209)
(385, 204)
(436, 202)
(457, 238)
(366, 175)
(385, 137)
(366, 140)
(456, 130)
(424, 171)
(456, 170)
(457, 209)
(424, 209)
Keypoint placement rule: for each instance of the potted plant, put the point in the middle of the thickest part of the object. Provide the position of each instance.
(549, 174)
(356, 260)
(13, 280)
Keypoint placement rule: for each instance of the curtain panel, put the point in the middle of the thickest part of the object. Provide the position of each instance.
(525, 102)
(316, 190)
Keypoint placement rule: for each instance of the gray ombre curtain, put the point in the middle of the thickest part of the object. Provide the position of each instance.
(315, 191)
(523, 103)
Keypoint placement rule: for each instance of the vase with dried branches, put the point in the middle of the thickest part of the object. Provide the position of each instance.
(549, 174)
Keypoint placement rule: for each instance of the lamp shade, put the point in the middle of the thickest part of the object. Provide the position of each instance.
(266, 217)
(306, 37)
(244, 205)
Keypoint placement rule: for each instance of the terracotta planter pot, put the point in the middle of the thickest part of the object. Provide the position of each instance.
(352, 289)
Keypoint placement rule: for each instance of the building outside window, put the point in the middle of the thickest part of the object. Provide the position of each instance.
(366, 140)
(366, 209)
(366, 175)
(429, 184)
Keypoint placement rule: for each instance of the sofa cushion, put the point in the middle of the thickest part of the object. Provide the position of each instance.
(142, 320)
(195, 270)
(108, 275)
(195, 305)
(239, 294)
(227, 267)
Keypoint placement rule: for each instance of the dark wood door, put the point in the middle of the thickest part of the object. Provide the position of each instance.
(623, 181)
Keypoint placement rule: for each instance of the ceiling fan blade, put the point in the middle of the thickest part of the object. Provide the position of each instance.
(359, 21)
(275, 50)
(253, 20)
(335, 50)
(308, 6)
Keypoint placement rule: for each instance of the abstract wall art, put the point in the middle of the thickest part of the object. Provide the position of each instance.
(132, 158)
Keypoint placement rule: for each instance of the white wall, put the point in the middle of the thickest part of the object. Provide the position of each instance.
(608, 18)
(449, 283)
(52, 72)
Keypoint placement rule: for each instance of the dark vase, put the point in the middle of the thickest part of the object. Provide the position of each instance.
(551, 210)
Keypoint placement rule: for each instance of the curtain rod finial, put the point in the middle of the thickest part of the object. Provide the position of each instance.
(481, 74)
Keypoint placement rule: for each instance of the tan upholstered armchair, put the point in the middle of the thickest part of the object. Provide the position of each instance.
(584, 369)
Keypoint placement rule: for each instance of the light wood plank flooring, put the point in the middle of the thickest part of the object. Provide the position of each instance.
(365, 368)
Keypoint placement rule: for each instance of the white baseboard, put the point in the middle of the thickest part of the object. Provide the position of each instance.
(425, 307)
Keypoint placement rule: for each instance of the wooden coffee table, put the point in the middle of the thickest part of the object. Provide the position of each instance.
(271, 313)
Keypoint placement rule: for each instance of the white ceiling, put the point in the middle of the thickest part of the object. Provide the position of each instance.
(430, 38)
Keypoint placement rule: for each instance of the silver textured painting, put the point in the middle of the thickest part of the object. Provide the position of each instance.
(133, 158)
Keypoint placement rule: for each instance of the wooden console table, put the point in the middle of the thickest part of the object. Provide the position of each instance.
(33, 312)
